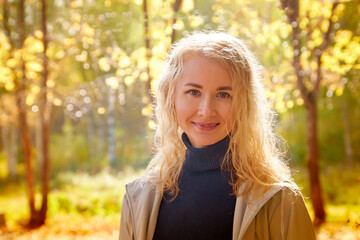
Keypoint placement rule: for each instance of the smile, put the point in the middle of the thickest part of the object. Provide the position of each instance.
(205, 125)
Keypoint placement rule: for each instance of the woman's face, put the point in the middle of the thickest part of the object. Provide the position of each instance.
(203, 100)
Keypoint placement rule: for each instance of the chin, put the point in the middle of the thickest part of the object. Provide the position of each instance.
(204, 143)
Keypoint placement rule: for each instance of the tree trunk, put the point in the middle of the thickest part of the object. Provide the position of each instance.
(176, 8)
(313, 163)
(309, 95)
(111, 126)
(347, 131)
(38, 144)
(90, 134)
(148, 49)
(8, 133)
(21, 104)
(45, 121)
(12, 153)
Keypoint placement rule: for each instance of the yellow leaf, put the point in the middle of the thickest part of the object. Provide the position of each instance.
(152, 124)
(303, 23)
(68, 42)
(5, 74)
(120, 72)
(101, 110)
(324, 26)
(31, 75)
(124, 62)
(77, 3)
(356, 66)
(339, 92)
(34, 45)
(290, 104)
(50, 83)
(179, 25)
(60, 54)
(88, 30)
(112, 82)
(280, 106)
(82, 57)
(187, 6)
(146, 111)
(129, 80)
(9, 86)
(299, 101)
(50, 96)
(142, 63)
(260, 39)
(144, 76)
(157, 33)
(57, 102)
(30, 99)
(35, 89)
(342, 37)
(12, 63)
(195, 21)
(34, 66)
(38, 34)
(97, 52)
(104, 64)
(107, 3)
(335, 18)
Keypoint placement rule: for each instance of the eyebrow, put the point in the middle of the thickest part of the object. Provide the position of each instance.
(199, 86)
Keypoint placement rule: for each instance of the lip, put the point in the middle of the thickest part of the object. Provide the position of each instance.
(205, 126)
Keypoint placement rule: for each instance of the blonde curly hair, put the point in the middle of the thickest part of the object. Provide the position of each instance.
(253, 155)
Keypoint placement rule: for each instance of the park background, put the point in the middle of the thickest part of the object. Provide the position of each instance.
(76, 122)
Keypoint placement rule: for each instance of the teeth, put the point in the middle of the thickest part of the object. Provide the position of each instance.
(209, 125)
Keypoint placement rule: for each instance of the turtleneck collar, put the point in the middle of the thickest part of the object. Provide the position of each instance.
(204, 159)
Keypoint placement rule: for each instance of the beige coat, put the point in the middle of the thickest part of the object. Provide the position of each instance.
(280, 214)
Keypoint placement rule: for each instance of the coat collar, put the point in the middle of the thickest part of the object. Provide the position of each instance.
(147, 199)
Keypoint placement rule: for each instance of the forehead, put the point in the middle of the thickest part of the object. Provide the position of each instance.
(198, 68)
(191, 55)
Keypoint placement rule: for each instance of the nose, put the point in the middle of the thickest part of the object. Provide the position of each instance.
(206, 107)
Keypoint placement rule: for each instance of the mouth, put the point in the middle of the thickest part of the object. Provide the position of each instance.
(206, 125)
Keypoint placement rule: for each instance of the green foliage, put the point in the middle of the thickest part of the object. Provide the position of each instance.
(89, 195)
(3, 166)
(69, 153)
(340, 183)
(292, 128)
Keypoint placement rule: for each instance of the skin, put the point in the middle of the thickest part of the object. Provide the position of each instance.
(203, 100)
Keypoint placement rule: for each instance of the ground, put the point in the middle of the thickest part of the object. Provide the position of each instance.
(66, 227)
(99, 228)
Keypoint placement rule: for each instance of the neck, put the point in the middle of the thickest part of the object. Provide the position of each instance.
(207, 158)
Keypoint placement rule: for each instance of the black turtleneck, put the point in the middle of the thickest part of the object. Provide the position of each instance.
(204, 207)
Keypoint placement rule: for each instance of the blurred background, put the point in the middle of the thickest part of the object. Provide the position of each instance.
(76, 113)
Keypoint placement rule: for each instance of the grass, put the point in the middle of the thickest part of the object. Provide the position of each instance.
(73, 194)
(341, 194)
(82, 206)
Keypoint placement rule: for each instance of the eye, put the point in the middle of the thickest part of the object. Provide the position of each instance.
(224, 95)
(194, 92)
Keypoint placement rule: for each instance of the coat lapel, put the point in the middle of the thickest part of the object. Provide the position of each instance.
(245, 213)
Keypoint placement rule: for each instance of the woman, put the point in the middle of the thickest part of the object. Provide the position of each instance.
(217, 172)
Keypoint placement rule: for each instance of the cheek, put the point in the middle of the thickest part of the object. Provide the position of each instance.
(228, 115)
(180, 111)
(227, 111)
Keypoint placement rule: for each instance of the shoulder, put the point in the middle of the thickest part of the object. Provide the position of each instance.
(286, 198)
(141, 204)
(143, 189)
(288, 208)
(283, 216)
(140, 186)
